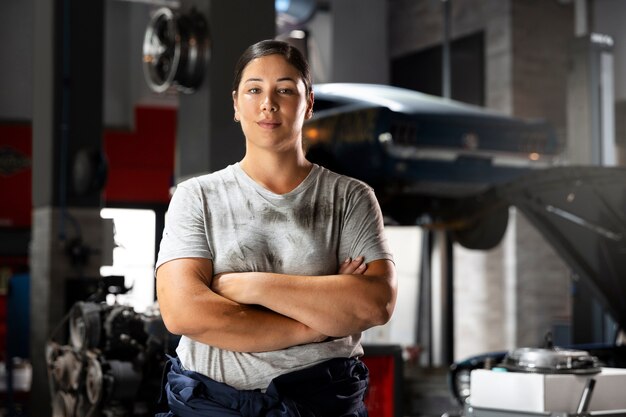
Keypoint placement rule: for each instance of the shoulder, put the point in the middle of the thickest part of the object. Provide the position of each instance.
(351, 191)
(351, 194)
(343, 181)
(202, 183)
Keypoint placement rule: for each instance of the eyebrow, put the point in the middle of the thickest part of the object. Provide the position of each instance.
(280, 79)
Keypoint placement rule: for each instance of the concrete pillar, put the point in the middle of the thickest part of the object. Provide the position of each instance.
(590, 102)
(540, 35)
(499, 58)
(207, 137)
(67, 129)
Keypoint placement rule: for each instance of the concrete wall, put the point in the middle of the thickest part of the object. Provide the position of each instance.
(542, 33)
(348, 42)
(359, 41)
(415, 25)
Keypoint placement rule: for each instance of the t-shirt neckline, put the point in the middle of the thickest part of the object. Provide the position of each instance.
(306, 182)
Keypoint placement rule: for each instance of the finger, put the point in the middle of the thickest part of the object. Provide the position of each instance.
(361, 269)
(352, 266)
(343, 267)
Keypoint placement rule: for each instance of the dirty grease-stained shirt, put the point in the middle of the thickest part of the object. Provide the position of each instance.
(230, 219)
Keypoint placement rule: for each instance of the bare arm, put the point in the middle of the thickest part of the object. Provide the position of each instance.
(189, 307)
(335, 305)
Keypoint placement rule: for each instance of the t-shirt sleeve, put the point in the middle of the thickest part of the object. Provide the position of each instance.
(363, 229)
(184, 235)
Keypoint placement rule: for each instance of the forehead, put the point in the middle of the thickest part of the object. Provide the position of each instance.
(270, 67)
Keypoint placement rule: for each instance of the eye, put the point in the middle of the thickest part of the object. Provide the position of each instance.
(254, 90)
(287, 91)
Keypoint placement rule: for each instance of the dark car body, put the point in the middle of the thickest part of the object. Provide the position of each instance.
(430, 160)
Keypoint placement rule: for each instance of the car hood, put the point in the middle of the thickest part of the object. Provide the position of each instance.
(401, 100)
(581, 212)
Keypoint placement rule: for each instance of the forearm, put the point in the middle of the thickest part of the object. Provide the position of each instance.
(190, 308)
(249, 329)
(336, 305)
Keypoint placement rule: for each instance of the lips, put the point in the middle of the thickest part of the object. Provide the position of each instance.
(268, 124)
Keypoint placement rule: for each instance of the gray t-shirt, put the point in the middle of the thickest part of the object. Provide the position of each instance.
(229, 218)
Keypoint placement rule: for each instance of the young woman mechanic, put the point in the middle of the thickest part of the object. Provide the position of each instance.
(272, 267)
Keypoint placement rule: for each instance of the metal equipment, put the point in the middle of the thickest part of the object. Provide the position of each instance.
(546, 381)
(112, 364)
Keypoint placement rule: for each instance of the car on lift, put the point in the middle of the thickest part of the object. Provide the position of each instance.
(432, 161)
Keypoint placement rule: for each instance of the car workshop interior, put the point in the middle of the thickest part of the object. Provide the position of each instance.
(493, 133)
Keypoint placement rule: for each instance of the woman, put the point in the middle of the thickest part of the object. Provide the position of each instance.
(272, 267)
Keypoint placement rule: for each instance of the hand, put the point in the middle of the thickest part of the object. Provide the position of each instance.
(224, 285)
(355, 266)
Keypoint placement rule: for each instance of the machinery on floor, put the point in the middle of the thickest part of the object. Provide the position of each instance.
(111, 363)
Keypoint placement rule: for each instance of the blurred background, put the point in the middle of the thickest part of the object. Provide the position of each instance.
(464, 115)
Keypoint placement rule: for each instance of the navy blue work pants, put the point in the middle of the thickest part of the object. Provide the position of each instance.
(334, 388)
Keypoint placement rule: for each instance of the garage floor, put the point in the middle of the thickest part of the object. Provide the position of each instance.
(426, 392)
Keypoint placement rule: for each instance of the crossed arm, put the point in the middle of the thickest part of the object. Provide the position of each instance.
(224, 310)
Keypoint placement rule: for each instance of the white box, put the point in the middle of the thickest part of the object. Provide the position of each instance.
(534, 392)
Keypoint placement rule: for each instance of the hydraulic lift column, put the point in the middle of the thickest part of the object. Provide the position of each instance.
(68, 168)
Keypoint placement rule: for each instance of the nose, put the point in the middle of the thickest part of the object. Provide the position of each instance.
(269, 104)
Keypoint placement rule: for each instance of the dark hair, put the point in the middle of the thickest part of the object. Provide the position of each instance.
(273, 47)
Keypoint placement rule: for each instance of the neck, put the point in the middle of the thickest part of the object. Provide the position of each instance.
(277, 172)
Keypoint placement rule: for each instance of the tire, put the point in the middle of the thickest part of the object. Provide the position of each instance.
(486, 231)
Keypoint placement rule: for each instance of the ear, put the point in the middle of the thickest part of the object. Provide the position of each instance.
(235, 104)
(309, 107)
